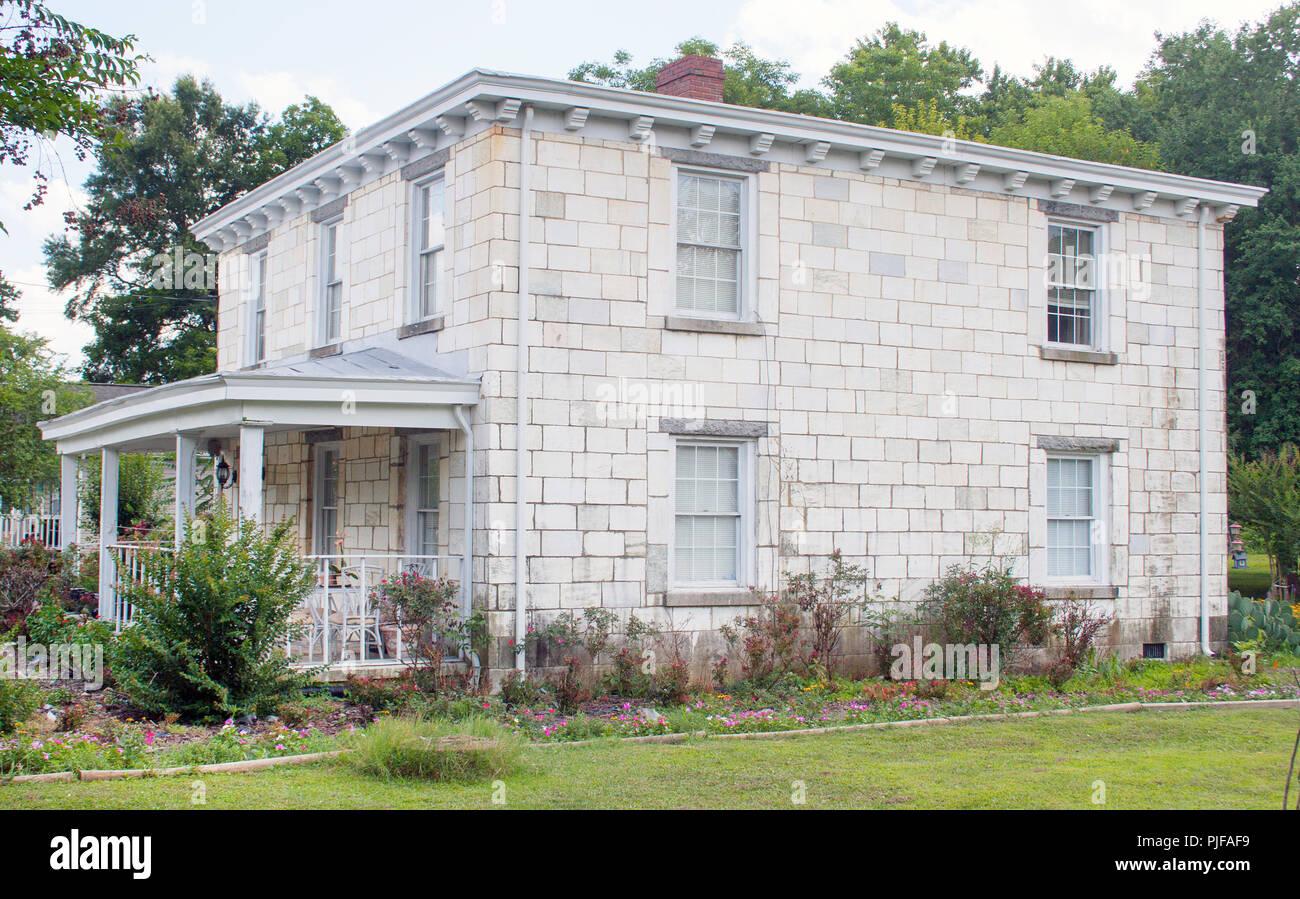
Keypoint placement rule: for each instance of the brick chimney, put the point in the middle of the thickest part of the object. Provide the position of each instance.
(696, 77)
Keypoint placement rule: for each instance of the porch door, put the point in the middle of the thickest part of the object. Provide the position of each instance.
(326, 527)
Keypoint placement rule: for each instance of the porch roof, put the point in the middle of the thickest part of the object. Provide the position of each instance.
(373, 387)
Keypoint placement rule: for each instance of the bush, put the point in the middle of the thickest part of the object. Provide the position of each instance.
(986, 606)
(465, 751)
(831, 604)
(522, 690)
(427, 610)
(768, 639)
(18, 699)
(212, 622)
(1078, 622)
(380, 695)
(25, 573)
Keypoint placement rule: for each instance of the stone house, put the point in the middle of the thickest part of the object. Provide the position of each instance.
(744, 339)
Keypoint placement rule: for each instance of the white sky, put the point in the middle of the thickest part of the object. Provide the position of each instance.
(369, 59)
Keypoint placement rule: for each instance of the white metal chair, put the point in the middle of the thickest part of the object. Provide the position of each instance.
(356, 614)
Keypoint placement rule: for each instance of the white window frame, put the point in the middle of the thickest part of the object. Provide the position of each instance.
(1099, 323)
(747, 280)
(414, 445)
(1100, 548)
(745, 552)
(323, 337)
(258, 273)
(415, 312)
(318, 495)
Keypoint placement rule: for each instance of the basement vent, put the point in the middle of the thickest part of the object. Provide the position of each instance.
(1153, 650)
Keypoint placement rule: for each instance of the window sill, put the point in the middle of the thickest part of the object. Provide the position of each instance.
(425, 326)
(1064, 354)
(330, 349)
(712, 325)
(702, 596)
(1082, 591)
(254, 366)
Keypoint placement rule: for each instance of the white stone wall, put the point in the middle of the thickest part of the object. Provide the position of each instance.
(898, 375)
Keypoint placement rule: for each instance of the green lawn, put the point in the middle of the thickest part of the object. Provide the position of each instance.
(1254, 580)
(1193, 759)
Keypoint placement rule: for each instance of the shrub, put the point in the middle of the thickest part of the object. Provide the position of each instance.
(567, 687)
(466, 751)
(768, 639)
(212, 622)
(888, 628)
(25, 572)
(831, 604)
(986, 606)
(427, 610)
(380, 695)
(520, 689)
(18, 699)
(1078, 622)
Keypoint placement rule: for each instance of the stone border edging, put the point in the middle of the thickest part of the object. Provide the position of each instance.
(216, 768)
(260, 764)
(953, 719)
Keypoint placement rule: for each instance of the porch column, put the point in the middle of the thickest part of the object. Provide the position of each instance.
(67, 500)
(186, 447)
(107, 531)
(251, 444)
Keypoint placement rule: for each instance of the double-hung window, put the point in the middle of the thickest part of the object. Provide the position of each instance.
(257, 310)
(710, 244)
(1074, 517)
(430, 240)
(424, 497)
(710, 499)
(331, 299)
(1072, 307)
(328, 497)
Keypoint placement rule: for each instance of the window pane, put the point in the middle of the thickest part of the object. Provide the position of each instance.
(432, 198)
(1070, 516)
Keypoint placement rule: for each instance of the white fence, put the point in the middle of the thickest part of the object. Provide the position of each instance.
(15, 527)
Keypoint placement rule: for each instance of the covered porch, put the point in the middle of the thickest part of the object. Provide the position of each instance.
(370, 453)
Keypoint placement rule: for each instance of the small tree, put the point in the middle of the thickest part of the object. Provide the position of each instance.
(1264, 495)
(212, 621)
(427, 612)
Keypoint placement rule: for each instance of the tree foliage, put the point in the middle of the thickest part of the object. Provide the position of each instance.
(175, 158)
(33, 387)
(898, 67)
(1264, 495)
(52, 74)
(1227, 106)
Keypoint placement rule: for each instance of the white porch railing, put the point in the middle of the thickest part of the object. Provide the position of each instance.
(15, 527)
(127, 560)
(341, 624)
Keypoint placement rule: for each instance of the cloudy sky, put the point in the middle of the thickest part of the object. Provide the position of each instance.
(368, 59)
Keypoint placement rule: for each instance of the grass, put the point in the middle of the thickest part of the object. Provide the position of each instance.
(1254, 580)
(1197, 759)
(414, 747)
